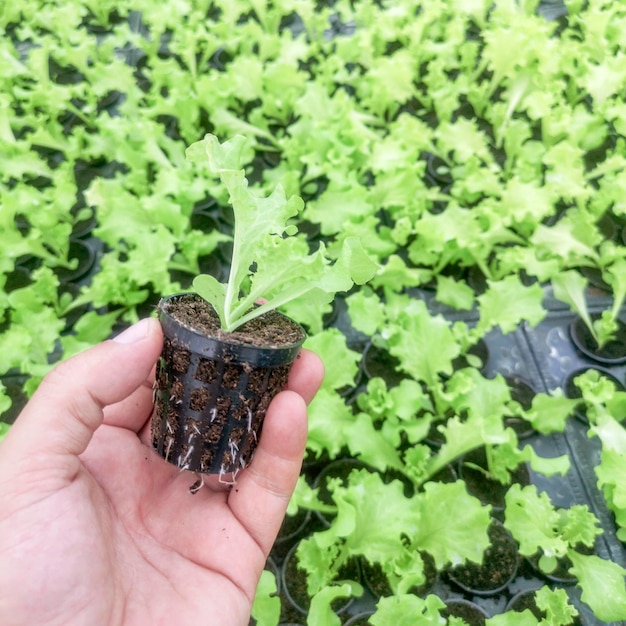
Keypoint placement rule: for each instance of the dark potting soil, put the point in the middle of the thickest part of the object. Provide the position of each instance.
(481, 485)
(376, 580)
(377, 362)
(467, 611)
(573, 392)
(520, 391)
(268, 330)
(560, 573)
(340, 468)
(523, 394)
(295, 582)
(479, 350)
(293, 526)
(615, 349)
(498, 567)
(526, 601)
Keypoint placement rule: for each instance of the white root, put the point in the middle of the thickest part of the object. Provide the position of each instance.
(233, 479)
(234, 449)
(183, 462)
(197, 485)
(170, 441)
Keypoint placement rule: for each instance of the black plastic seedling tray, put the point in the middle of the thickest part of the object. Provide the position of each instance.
(541, 357)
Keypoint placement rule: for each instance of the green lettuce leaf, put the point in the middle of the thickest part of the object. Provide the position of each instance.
(268, 261)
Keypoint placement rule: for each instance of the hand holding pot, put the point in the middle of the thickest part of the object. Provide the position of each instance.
(95, 528)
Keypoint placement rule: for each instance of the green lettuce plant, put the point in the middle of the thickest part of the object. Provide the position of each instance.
(570, 287)
(377, 521)
(553, 603)
(556, 534)
(606, 411)
(268, 260)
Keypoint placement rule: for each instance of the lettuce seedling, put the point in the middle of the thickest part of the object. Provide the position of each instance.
(540, 528)
(269, 261)
(569, 287)
(553, 603)
(606, 412)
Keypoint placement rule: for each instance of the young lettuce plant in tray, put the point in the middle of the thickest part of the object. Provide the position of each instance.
(600, 337)
(225, 356)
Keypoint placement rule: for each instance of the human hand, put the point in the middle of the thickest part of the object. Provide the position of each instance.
(96, 529)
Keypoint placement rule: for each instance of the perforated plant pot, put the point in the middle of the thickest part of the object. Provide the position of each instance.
(470, 612)
(572, 391)
(213, 388)
(612, 353)
(497, 570)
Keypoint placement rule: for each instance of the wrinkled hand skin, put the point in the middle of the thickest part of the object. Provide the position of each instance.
(97, 529)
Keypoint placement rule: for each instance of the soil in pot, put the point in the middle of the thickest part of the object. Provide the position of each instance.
(17, 279)
(82, 257)
(293, 529)
(560, 574)
(84, 226)
(340, 468)
(523, 394)
(294, 583)
(479, 350)
(440, 204)
(294, 525)
(213, 388)
(377, 583)
(468, 611)
(435, 438)
(73, 315)
(525, 600)
(378, 362)
(477, 280)
(594, 277)
(473, 470)
(203, 220)
(571, 390)
(446, 474)
(437, 170)
(497, 570)
(612, 353)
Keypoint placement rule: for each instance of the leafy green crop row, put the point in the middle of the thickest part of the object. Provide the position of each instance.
(476, 149)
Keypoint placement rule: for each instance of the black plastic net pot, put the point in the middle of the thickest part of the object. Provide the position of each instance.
(212, 392)
(612, 353)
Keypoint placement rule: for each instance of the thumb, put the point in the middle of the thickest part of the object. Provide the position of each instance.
(67, 408)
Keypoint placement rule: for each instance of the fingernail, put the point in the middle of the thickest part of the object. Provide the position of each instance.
(134, 333)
